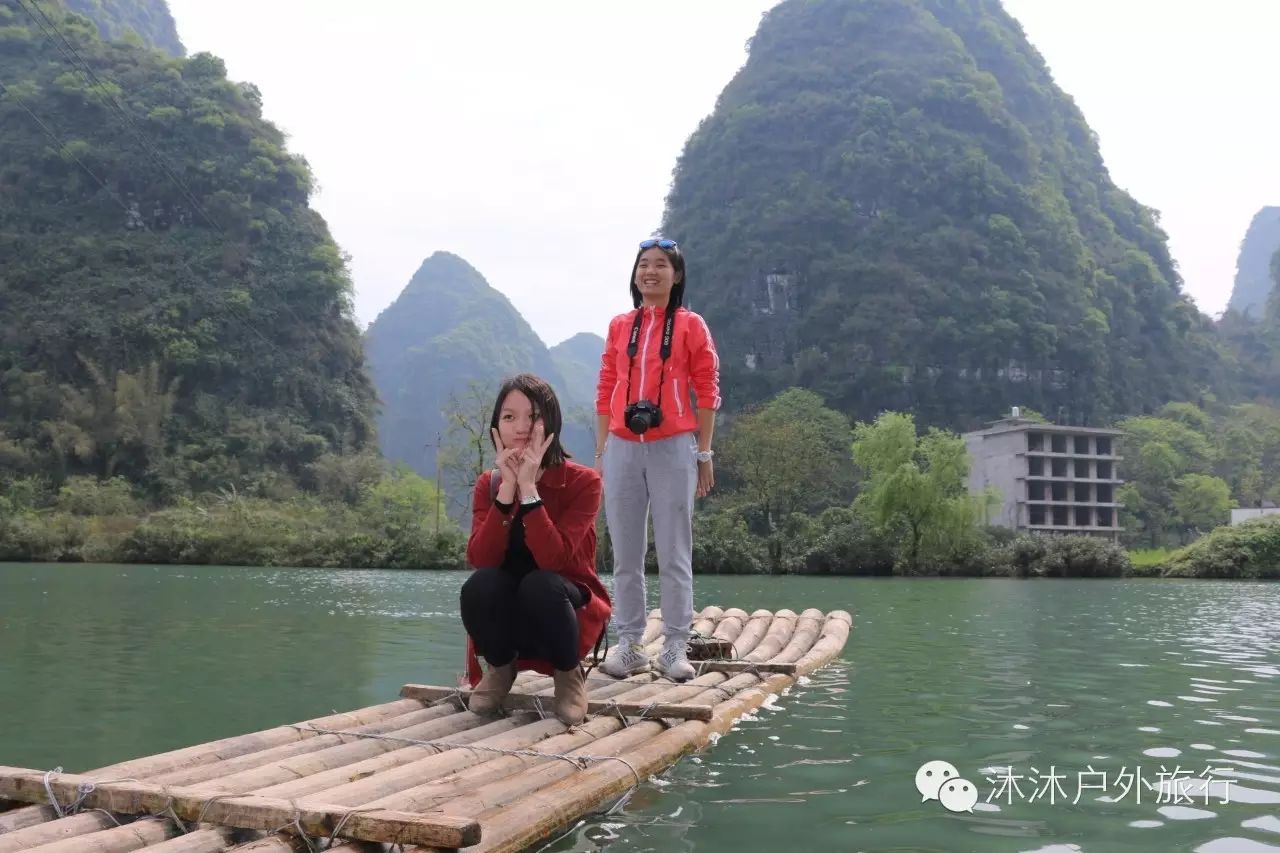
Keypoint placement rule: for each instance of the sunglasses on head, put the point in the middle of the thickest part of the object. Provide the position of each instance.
(661, 244)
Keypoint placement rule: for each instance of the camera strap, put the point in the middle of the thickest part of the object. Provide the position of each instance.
(633, 346)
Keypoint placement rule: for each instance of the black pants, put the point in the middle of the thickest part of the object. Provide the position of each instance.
(532, 616)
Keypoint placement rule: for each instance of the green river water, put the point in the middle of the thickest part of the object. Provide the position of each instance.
(1087, 694)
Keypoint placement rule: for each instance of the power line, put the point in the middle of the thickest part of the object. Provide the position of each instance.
(73, 56)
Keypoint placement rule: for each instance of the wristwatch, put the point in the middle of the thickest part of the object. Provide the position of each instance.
(530, 500)
(705, 455)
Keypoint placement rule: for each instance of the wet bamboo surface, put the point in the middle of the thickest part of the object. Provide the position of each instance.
(422, 771)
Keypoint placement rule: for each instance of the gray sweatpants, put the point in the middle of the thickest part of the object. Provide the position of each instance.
(659, 477)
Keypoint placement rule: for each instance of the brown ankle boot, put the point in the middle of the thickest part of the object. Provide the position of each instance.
(487, 696)
(571, 696)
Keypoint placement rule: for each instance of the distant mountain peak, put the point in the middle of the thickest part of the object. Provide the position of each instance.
(448, 331)
(1253, 282)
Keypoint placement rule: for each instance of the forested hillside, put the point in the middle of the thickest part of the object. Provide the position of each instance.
(174, 311)
(894, 205)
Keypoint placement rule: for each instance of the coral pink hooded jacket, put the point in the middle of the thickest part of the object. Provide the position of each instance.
(693, 368)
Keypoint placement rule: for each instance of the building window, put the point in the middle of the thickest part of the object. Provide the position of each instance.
(1104, 516)
(1104, 470)
(1059, 443)
(1061, 517)
(1035, 441)
(1059, 467)
(1084, 516)
(1104, 445)
(1082, 445)
(1104, 493)
(1035, 466)
(1035, 515)
(1082, 492)
(1035, 491)
(1060, 492)
(1082, 469)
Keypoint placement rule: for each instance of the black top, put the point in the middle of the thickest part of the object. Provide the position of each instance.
(518, 559)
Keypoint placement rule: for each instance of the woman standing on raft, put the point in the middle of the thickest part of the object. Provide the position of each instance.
(654, 451)
(534, 600)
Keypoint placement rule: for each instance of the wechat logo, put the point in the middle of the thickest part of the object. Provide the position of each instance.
(939, 780)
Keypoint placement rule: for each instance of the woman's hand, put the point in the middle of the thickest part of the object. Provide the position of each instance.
(706, 478)
(508, 463)
(531, 460)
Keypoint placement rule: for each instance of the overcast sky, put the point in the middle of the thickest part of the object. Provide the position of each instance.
(536, 140)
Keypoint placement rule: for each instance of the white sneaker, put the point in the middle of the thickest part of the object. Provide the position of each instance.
(674, 662)
(626, 658)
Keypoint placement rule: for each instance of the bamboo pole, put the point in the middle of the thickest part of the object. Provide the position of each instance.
(752, 632)
(232, 747)
(281, 843)
(654, 641)
(542, 813)
(194, 776)
(356, 749)
(702, 666)
(214, 839)
(494, 797)
(118, 839)
(808, 624)
(524, 702)
(730, 624)
(606, 686)
(384, 783)
(248, 812)
(652, 628)
(779, 633)
(430, 795)
(24, 816)
(357, 784)
(706, 621)
(54, 830)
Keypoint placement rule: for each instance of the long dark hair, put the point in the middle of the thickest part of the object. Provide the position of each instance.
(546, 408)
(677, 266)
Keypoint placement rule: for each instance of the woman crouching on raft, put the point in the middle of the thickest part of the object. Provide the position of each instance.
(534, 600)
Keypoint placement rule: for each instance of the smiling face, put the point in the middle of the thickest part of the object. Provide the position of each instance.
(655, 276)
(516, 419)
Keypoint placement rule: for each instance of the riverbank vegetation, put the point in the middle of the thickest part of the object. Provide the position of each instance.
(800, 491)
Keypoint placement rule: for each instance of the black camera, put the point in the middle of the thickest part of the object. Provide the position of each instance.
(643, 416)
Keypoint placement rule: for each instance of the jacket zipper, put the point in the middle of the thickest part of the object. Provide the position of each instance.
(644, 356)
(675, 387)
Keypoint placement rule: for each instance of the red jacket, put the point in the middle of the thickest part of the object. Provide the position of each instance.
(693, 366)
(561, 536)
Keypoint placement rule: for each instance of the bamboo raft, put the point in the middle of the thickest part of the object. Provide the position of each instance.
(421, 772)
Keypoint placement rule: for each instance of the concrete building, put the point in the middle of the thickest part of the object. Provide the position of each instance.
(1050, 478)
(1249, 513)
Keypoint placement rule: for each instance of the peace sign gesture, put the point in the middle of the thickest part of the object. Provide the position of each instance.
(531, 460)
